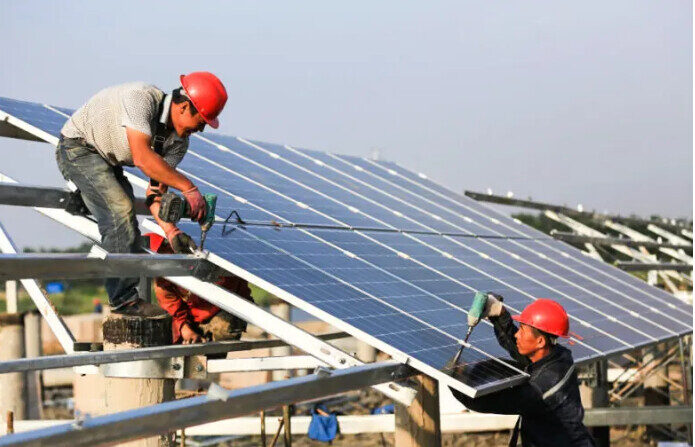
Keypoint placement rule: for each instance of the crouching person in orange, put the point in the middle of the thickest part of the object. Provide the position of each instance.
(194, 320)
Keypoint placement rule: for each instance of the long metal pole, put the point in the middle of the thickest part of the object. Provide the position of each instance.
(685, 373)
(84, 266)
(153, 352)
(218, 404)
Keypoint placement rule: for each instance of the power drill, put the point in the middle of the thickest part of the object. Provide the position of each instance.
(475, 313)
(173, 208)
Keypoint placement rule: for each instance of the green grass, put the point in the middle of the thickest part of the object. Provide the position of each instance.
(77, 298)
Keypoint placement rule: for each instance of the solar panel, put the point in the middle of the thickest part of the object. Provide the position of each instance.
(395, 259)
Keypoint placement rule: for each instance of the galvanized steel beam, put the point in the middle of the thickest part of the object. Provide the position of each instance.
(84, 266)
(218, 404)
(154, 352)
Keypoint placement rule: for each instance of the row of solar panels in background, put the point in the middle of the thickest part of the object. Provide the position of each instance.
(409, 290)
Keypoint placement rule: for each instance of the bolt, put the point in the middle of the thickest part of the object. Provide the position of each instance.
(176, 366)
(199, 368)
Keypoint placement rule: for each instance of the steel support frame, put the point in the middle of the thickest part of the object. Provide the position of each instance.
(502, 200)
(49, 197)
(608, 241)
(631, 252)
(84, 266)
(645, 266)
(218, 404)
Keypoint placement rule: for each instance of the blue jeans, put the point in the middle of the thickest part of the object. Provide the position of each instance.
(109, 197)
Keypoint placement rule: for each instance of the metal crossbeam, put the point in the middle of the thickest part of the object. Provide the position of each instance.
(218, 404)
(153, 352)
(84, 266)
(645, 266)
(48, 197)
(466, 422)
(503, 200)
(608, 241)
(264, 364)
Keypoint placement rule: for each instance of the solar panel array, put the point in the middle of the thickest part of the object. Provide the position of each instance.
(395, 259)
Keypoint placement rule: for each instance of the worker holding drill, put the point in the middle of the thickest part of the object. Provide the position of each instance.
(194, 320)
(139, 125)
(549, 406)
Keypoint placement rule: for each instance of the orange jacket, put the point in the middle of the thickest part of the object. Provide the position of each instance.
(186, 307)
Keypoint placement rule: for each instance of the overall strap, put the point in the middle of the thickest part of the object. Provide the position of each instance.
(160, 131)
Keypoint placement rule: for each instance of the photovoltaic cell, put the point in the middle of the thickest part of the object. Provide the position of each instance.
(34, 114)
(395, 259)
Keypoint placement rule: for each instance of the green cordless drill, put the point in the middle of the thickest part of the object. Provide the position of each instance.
(173, 208)
(475, 313)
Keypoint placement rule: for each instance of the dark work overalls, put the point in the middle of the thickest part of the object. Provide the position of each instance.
(550, 409)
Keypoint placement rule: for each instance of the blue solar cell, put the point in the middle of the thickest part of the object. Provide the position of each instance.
(350, 172)
(425, 187)
(366, 299)
(335, 213)
(644, 297)
(340, 188)
(34, 114)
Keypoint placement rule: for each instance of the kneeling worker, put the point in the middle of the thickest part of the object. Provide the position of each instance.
(549, 406)
(194, 320)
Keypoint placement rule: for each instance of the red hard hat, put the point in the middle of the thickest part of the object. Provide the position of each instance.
(207, 93)
(547, 316)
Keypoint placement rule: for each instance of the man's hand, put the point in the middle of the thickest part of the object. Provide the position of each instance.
(493, 305)
(191, 333)
(180, 242)
(196, 202)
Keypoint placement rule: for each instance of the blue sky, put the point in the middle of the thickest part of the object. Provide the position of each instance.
(582, 102)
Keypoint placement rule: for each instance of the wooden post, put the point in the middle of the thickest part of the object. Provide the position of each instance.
(11, 297)
(263, 440)
(32, 348)
(12, 385)
(365, 352)
(419, 424)
(10, 423)
(281, 310)
(594, 394)
(286, 417)
(121, 394)
(656, 389)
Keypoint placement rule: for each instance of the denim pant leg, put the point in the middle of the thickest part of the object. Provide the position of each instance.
(109, 197)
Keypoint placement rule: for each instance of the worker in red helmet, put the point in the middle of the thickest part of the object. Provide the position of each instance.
(549, 406)
(137, 124)
(195, 320)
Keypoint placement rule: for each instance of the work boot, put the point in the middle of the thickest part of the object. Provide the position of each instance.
(140, 308)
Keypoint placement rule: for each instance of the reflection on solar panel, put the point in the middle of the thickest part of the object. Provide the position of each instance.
(395, 259)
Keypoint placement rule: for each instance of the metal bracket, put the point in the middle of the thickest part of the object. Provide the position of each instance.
(194, 367)
(170, 368)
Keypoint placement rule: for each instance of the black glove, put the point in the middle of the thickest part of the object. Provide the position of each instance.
(180, 242)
